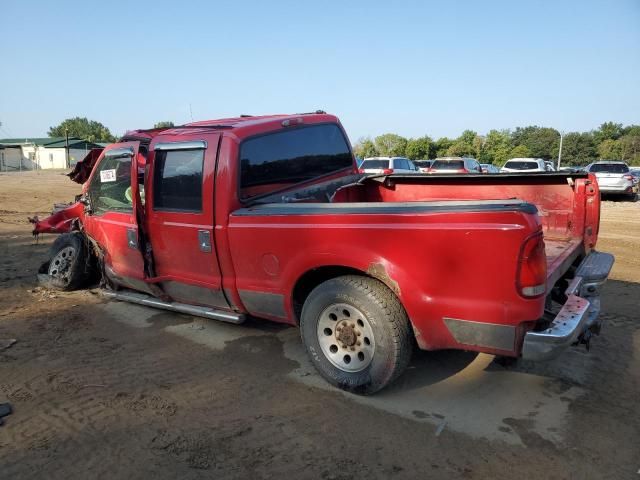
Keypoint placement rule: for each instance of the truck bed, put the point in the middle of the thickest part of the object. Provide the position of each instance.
(569, 217)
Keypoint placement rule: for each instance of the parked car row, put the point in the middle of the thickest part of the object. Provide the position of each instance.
(450, 165)
(613, 176)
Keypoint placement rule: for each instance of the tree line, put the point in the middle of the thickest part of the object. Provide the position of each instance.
(610, 141)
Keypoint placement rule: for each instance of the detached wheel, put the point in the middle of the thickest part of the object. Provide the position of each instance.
(71, 266)
(357, 333)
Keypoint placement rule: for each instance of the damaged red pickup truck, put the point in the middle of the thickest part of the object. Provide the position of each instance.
(268, 217)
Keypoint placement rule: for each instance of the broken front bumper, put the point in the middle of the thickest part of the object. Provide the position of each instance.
(579, 314)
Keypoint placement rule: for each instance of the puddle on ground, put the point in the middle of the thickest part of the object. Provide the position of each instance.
(461, 391)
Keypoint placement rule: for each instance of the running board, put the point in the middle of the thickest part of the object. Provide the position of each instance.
(149, 301)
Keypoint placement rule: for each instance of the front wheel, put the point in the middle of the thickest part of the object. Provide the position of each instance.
(71, 265)
(357, 333)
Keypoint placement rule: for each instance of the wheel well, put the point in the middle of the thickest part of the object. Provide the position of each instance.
(315, 277)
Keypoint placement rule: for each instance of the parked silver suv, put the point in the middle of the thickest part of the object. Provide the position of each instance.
(614, 177)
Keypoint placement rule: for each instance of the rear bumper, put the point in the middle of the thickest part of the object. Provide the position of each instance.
(578, 315)
(628, 188)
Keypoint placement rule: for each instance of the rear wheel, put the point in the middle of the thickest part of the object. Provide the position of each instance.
(71, 265)
(357, 333)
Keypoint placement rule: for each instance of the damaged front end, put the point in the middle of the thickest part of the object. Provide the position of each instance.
(63, 219)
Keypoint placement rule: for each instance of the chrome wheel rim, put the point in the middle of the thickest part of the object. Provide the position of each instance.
(60, 266)
(346, 337)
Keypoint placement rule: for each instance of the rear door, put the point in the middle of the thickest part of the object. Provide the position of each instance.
(111, 220)
(179, 214)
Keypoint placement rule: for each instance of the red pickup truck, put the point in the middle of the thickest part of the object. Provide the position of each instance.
(268, 217)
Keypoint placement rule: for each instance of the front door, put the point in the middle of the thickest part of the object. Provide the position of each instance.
(179, 215)
(111, 219)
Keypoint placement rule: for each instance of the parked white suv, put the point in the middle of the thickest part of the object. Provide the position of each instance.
(614, 177)
(387, 165)
(524, 165)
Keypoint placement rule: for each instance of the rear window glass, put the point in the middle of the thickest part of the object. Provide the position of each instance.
(609, 168)
(422, 163)
(277, 160)
(448, 165)
(177, 181)
(520, 165)
(377, 164)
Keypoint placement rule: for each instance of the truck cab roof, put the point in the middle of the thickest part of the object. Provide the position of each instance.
(242, 126)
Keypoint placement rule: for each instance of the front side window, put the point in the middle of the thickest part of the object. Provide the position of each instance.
(177, 181)
(277, 160)
(110, 188)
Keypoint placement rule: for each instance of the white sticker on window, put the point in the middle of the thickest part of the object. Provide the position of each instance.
(108, 175)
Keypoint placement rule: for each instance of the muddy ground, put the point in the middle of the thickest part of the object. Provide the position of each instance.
(110, 390)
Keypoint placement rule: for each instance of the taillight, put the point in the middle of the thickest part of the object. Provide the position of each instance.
(387, 171)
(462, 170)
(430, 170)
(361, 170)
(629, 177)
(531, 277)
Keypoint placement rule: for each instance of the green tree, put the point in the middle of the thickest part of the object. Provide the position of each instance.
(607, 131)
(420, 148)
(497, 147)
(365, 148)
(164, 125)
(465, 145)
(610, 149)
(578, 149)
(391, 145)
(81, 127)
(630, 148)
(519, 152)
(441, 146)
(540, 141)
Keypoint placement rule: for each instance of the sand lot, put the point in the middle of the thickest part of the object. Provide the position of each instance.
(111, 390)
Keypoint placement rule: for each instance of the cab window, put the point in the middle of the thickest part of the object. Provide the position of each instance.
(278, 160)
(110, 188)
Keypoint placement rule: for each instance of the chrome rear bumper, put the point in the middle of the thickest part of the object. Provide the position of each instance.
(578, 315)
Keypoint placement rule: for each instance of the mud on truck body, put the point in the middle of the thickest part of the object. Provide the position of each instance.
(268, 217)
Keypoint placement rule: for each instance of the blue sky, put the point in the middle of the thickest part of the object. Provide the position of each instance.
(409, 67)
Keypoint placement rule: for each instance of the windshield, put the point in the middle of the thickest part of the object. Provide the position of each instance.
(521, 165)
(609, 168)
(448, 165)
(377, 164)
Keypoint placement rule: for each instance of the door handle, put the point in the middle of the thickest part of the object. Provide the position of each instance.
(204, 241)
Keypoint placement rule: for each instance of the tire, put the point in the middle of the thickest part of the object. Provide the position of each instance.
(356, 333)
(71, 265)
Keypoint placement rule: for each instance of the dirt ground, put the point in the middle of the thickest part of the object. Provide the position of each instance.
(103, 389)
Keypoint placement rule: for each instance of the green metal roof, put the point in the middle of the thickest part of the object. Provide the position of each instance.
(48, 142)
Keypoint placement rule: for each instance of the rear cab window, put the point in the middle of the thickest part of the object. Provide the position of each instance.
(278, 160)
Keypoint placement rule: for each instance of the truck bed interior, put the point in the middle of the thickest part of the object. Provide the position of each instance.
(553, 195)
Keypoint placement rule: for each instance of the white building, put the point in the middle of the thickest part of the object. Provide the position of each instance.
(40, 153)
